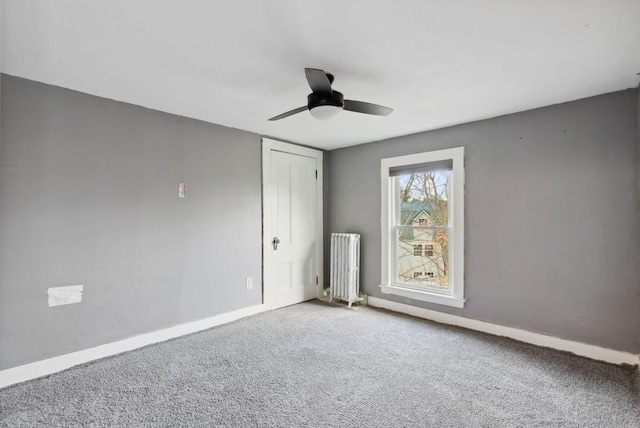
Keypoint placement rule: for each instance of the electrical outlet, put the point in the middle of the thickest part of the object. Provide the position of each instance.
(248, 283)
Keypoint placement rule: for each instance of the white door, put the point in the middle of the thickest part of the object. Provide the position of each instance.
(292, 223)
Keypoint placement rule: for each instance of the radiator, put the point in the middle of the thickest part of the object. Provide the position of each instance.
(345, 267)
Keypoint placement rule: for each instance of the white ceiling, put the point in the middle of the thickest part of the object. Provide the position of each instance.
(240, 62)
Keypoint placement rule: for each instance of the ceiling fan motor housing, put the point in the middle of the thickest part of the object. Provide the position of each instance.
(335, 99)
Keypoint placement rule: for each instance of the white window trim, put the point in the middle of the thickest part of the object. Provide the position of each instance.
(455, 295)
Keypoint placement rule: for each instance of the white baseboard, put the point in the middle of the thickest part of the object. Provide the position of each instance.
(63, 362)
(578, 348)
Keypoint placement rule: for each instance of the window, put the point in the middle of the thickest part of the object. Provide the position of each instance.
(423, 226)
(428, 251)
(417, 275)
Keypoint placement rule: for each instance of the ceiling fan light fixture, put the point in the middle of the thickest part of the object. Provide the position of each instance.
(325, 112)
(326, 105)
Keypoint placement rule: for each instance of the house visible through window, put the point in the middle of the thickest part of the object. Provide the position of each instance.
(423, 219)
(423, 196)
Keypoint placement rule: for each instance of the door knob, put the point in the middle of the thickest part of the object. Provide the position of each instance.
(275, 242)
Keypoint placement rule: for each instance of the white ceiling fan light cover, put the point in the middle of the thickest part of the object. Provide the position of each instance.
(325, 112)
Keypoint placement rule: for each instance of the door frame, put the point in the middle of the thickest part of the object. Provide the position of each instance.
(269, 289)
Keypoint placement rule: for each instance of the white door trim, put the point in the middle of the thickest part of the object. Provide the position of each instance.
(269, 289)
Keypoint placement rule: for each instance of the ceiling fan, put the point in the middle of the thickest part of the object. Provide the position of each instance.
(324, 103)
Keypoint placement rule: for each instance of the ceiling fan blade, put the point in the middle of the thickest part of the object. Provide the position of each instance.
(318, 81)
(367, 108)
(289, 113)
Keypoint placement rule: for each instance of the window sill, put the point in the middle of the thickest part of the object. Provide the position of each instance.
(423, 296)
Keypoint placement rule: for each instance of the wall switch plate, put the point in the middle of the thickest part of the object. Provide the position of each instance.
(248, 283)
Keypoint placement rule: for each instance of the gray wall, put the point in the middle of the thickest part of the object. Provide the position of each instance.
(89, 195)
(551, 217)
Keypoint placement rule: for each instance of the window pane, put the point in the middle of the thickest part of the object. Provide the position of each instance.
(424, 198)
(429, 268)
